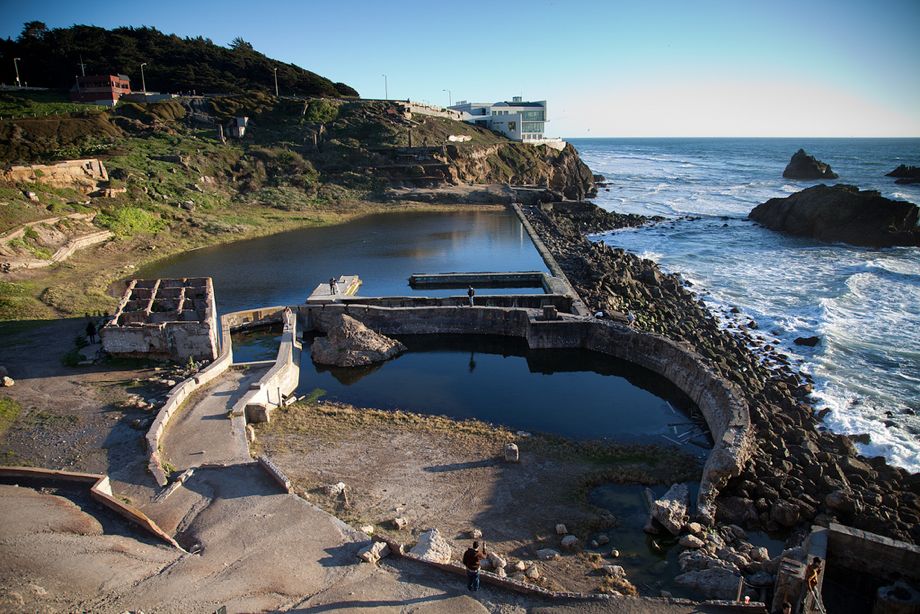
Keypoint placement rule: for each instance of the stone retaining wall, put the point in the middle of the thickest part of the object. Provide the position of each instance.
(725, 412)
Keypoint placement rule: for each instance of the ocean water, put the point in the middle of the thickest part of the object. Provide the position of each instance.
(863, 303)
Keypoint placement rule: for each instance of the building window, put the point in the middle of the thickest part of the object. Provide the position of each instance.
(533, 126)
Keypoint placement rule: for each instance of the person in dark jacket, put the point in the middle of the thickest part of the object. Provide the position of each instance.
(471, 559)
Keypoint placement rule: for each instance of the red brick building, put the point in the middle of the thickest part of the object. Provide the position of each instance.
(100, 89)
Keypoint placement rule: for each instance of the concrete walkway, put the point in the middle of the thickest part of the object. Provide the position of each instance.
(203, 432)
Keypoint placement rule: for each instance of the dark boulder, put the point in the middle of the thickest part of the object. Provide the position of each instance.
(906, 174)
(842, 213)
(803, 166)
(808, 341)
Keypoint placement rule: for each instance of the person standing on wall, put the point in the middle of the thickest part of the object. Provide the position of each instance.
(471, 293)
(471, 560)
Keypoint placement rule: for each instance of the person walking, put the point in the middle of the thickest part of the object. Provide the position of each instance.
(471, 293)
(471, 560)
(332, 285)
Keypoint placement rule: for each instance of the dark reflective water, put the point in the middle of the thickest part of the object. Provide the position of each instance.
(575, 393)
(382, 249)
(258, 344)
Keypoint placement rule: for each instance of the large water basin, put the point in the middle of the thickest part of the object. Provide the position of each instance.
(573, 393)
(384, 250)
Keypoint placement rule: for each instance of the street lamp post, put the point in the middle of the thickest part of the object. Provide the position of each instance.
(143, 82)
(450, 99)
(386, 88)
(16, 67)
(276, 82)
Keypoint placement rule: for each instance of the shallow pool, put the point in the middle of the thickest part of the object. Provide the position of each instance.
(574, 393)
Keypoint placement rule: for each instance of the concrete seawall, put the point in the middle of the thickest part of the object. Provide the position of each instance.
(724, 410)
(177, 397)
(281, 380)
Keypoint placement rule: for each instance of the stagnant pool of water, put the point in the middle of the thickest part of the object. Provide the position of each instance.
(384, 250)
(574, 393)
(650, 562)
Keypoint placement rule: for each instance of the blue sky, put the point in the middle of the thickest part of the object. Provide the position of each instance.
(739, 68)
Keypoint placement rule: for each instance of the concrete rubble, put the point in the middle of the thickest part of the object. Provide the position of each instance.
(432, 547)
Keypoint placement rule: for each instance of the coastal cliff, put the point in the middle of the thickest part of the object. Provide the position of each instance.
(798, 474)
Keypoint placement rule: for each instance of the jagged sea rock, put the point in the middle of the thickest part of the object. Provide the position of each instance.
(348, 343)
(671, 509)
(906, 174)
(432, 547)
(842, 213)
(803, 166)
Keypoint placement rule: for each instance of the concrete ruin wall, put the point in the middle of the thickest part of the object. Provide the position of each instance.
(280, 381)
(176, 398)
(83, 175)
(726, 413)
(866, 552)
(174, 319)
(561, 302)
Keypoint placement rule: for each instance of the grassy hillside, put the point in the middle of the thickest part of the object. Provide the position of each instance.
(175, 186)
(174, 64)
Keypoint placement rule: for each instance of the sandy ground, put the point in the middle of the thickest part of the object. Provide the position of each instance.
(437, 473)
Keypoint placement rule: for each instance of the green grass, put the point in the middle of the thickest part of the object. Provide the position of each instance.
(9, 411)
(129, 221)
(18, 302)
(41, 103)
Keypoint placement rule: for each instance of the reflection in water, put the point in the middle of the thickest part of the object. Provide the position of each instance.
(384, 250)
(574, 393)
(257, 344)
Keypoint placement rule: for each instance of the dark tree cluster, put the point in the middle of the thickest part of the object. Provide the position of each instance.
(51, 57)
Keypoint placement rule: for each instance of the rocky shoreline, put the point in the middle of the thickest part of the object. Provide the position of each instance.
(799, 475)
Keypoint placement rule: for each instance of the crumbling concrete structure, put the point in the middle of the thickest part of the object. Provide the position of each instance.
(174, 319)
(84, 175)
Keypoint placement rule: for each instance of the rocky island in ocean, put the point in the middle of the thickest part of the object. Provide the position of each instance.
(842, 213)
(803, 166)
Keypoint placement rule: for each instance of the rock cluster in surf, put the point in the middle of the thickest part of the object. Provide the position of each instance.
(842, 213)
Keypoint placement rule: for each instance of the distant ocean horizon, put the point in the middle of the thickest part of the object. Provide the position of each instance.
(864, 303)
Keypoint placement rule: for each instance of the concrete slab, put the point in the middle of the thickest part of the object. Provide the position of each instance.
(345, 285)
(202, 432)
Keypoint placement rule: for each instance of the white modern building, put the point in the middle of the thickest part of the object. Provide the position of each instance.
(519, 120)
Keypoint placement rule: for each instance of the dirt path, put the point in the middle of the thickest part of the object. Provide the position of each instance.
(202, 431)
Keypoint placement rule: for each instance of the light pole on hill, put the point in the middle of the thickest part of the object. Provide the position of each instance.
(143, 83)
(16, 67)
(386, 88)
(276, 82)
(450, 99)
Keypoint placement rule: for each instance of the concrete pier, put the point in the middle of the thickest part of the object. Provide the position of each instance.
(514, 279)
(345, 285)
